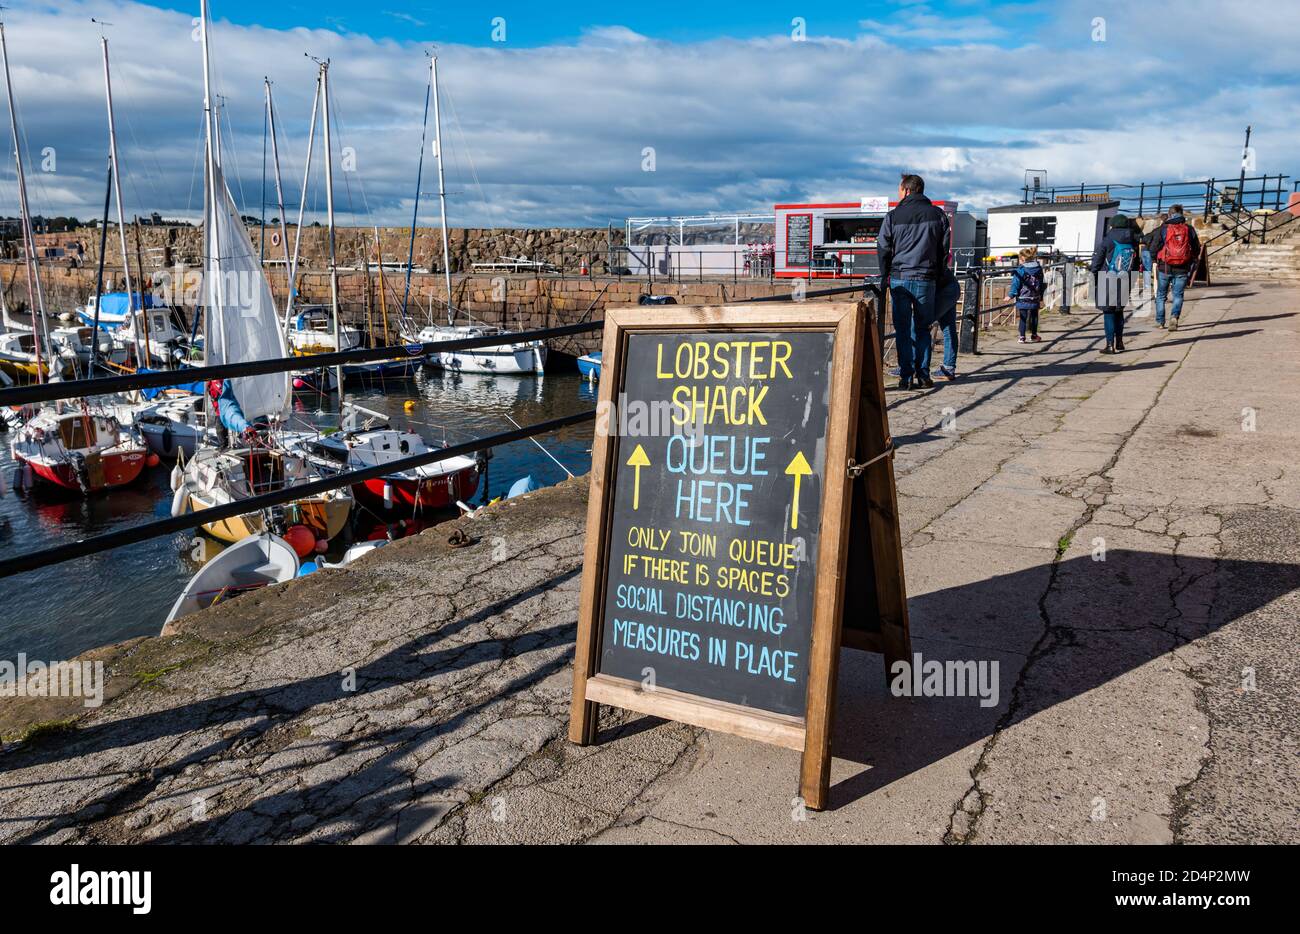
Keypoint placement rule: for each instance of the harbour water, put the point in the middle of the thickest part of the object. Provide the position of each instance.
(59, 611)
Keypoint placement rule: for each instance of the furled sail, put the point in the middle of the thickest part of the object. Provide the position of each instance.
(240, 323)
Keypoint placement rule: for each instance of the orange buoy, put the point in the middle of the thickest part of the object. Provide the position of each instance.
(153, 460)
(301, 539)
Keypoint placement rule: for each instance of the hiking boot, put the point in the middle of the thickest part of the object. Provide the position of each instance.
(947, 374)
(1109, 348)
(904, 383)
(1173, 323)
(1119, 345)
(923, 381)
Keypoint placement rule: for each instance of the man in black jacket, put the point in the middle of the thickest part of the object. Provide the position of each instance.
(1175, 249)
(913, 246)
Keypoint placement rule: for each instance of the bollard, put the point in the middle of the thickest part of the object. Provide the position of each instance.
(968, 341)
(1067, 286)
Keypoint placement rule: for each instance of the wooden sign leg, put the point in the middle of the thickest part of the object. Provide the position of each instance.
(815, 767)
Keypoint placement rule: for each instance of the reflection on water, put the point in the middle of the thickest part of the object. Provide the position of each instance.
(68, 608)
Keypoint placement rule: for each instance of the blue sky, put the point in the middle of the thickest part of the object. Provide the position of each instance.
(529, 25)
(739, 109)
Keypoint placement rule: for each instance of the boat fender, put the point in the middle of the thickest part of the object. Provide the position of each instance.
(180, 500)
(167, 441)
(388, 495)
(28, 476)
(4, 485)
(178, 478)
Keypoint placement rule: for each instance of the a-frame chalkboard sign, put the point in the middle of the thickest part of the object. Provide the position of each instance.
(742, 524)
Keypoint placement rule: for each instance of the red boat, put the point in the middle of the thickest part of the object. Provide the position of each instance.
(401, 493)
(79, 450)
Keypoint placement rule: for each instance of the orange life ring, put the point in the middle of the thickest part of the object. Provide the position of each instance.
(275, 238)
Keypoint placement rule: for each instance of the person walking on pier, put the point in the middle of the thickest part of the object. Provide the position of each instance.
(1112, 267)
(912, 247)
(1028, 283)
(1175, 249)
(946, 300)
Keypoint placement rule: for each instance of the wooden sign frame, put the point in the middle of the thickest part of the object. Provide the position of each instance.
(857, 397)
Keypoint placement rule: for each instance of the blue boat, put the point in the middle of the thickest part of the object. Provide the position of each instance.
(113, 308)
(371, 374)
(589, 365)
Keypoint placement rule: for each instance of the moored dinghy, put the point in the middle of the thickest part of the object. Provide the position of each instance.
(255, 562)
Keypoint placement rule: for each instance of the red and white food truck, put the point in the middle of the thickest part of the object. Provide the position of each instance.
(835, 241)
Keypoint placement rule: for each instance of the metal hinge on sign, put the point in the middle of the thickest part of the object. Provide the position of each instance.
(856, 470)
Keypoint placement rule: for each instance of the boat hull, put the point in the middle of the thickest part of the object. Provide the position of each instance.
(113, 470)
(492, 360)
(167, 441)
(589, 366)
(326, 516)
(408, 496)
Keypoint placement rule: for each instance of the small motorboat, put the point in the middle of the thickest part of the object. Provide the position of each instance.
(255, 562)
(589, 366)
(402, 493)
(79, 450)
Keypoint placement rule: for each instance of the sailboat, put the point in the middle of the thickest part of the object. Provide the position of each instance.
(412, 492)
(83, 450)
(25, 353)
(510, 356)
(241, 324)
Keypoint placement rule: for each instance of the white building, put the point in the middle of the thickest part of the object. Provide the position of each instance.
(1072, 227)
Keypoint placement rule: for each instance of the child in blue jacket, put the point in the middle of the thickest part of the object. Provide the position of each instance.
(1028, 283)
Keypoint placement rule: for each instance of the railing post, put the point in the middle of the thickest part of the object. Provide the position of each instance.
(1209, 193)
(968, 341)
(1142, 194)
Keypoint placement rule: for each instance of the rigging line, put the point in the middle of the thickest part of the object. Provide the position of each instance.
(361, 186)
(469, 155)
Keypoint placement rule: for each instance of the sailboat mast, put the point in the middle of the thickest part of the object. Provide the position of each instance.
(442, 185)
(329, 210)
(29, 236)
(302, 204)
(141, 356)
(212, 261)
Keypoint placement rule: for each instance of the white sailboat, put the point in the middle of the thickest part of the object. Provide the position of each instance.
(25, 352)
(242, 324)
(510, 356)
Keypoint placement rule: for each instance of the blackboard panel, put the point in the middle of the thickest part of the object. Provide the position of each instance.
(711, 571)
(798, 239)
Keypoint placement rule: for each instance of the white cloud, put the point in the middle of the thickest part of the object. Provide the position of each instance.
(555, 135)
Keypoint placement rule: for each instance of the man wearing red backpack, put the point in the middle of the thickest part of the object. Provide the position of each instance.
(1175, 248)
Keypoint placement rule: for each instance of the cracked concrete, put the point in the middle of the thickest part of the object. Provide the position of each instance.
(1117, 534)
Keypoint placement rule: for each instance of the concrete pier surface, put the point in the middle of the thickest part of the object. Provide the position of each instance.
(421, 695)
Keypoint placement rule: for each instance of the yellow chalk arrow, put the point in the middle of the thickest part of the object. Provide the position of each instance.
(639, 460)
(798, 469)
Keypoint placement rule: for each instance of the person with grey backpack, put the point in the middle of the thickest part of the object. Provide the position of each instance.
(1112, 267)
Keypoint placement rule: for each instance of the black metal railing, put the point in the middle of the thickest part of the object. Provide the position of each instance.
(33, 560)
(1199, 196)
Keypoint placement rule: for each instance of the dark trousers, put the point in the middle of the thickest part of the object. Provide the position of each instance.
(1028, 319)
(1114, 318)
